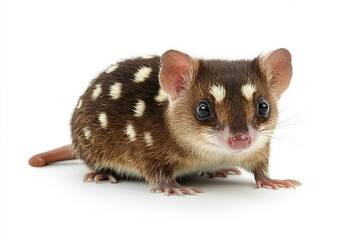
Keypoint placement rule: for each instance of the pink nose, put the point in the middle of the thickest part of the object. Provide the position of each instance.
(239, 141)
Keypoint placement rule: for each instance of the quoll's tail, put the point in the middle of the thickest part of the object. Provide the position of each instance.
(59, 154)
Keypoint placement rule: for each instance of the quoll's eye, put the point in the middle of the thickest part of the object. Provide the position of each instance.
(203, 111)
(263, 108)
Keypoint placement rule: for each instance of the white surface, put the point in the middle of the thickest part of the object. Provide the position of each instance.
(50, 50)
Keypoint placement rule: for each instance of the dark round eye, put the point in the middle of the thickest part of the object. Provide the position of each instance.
(263, 108)
(203, 111)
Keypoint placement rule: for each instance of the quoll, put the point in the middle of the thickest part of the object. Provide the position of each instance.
(161, 118)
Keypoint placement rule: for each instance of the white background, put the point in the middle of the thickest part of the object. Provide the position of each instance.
(50, 50)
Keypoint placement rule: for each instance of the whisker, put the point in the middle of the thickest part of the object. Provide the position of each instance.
(290, 119)
(273, 137)
(287, 126)
(286, 123)
(280, 138)
(276, 132)
(287, 107)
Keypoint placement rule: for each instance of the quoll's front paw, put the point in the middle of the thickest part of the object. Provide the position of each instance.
(276, 184)
(223, 173)
(174, 188)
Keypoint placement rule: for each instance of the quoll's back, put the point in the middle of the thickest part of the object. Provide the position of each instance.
(117, 118)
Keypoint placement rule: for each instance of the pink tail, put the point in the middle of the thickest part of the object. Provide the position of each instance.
(59, 154)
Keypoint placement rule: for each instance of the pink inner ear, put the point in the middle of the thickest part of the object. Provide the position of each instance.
(179, 86)
(180, 76)
(279, 62)
(174, 72)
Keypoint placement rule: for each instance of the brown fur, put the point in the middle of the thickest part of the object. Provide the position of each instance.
(181, 144)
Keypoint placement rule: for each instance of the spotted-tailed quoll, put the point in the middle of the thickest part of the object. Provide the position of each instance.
(161, 118)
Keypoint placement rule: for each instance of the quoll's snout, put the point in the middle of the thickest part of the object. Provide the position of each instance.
(240, 140)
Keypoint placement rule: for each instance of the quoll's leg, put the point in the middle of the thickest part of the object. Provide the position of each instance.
(262, 181)
(99, 176)
(223, 173)
(174, 188)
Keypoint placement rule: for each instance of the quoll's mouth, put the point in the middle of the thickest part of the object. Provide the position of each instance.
(241, 141)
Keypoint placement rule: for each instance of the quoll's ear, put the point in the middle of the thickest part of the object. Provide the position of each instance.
(278, 69)
(176, 68)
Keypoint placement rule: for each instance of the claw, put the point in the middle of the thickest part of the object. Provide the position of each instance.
(98, 177)
(223, 173)
(112, 179)
(89, 177)
(174, 188)
(276, 184)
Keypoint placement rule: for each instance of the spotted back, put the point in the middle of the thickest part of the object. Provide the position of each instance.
(121, 107)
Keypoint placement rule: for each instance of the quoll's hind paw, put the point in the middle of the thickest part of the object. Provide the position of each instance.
(275, 184)
(223, 172)
(97, 177)
(174, 188)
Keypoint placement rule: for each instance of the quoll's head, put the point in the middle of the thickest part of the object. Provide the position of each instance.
(228, 106)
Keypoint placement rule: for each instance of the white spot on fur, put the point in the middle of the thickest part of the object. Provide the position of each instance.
(112, 68)
(139, 108)
(162, 96)
(97, 91)
(147, 56)
(218, 91)
(103, 120)
(142, 74)
(130, 132)
(115, 91)
(148, 139)
(248, 90)
(79, 104)
(87, 133)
